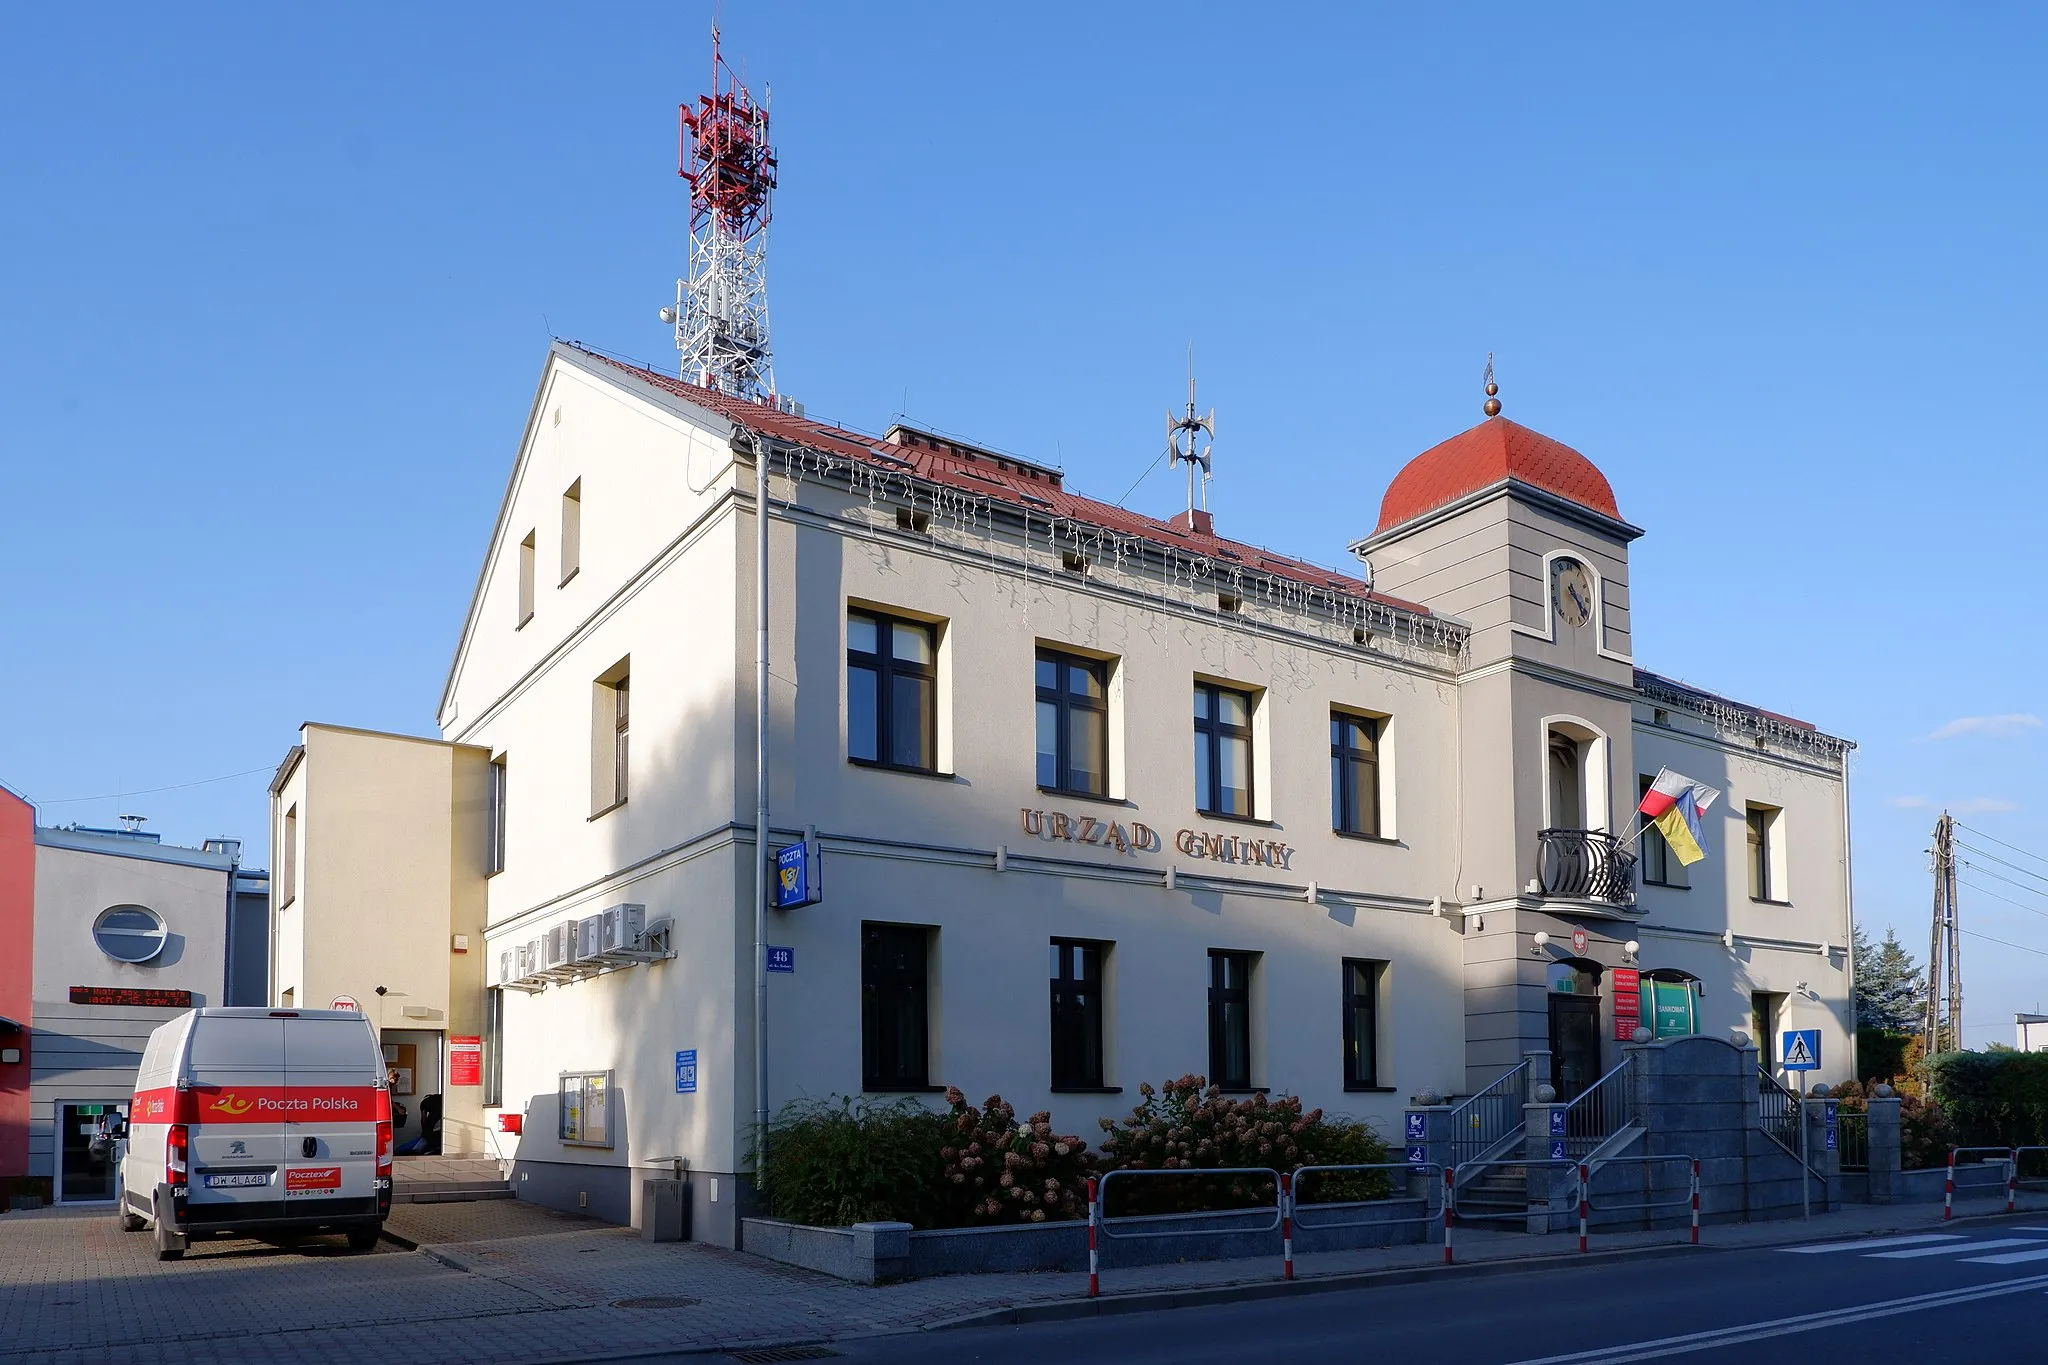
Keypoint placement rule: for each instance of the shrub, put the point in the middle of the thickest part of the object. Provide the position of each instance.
(1881, 1056)
(833, 1164)
(1994, 1098)
(1190, 1125)
(1000, 1171)
(1925, 1134)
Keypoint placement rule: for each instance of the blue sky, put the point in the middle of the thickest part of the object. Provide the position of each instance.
(278, 280)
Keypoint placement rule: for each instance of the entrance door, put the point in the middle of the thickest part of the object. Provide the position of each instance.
(1764, 1016)
(1574, 1044)
(83, 1175)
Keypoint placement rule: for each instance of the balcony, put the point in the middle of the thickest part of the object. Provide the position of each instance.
(1586, 865)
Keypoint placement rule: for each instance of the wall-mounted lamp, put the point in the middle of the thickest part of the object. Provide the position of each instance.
(1539, 943)
(1630, 949)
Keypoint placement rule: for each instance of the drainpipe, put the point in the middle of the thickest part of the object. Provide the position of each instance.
(758, 881)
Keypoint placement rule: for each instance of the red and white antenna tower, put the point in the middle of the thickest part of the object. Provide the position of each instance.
(721, 309)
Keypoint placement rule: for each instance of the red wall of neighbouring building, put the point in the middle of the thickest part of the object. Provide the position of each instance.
(17, 962)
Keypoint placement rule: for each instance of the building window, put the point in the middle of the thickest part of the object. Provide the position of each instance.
(1354, 774)
(1073, 724)
(1660, 865)
(494, 819)
(572, 531)
(892, 709)
(1230, 1019)
(611, 717)
(1361, 1024)
(526, 579)
(1766, 876)
(1076, 1015)
(1223, 751)
(494, 1046)
(130, 933)
(288, 865)
(894, 1007)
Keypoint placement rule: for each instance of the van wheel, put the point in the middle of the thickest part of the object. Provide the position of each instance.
(169, 1245)
(132, 1222)
(363, 1239)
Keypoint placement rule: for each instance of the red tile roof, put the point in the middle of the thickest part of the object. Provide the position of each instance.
(1494, 450)
(1027, 486)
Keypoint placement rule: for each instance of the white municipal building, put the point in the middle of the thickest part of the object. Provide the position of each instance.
(1101, 799)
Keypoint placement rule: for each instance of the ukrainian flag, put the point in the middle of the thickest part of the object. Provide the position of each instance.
(1674, 804)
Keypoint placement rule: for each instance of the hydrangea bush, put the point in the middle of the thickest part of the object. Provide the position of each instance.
(998, 1170)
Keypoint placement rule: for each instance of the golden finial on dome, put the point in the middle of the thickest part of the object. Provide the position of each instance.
(1492, 404)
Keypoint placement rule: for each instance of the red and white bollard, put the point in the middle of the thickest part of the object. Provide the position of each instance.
(1449, 1195)
(1287, 1227)
(1948, 1194)
(1094, 1218)
(1695, 1201)
(1584, 1201)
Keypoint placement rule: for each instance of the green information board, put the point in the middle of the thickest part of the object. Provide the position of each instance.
(1673, 1005)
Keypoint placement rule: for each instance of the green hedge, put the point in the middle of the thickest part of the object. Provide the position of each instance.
(1994, 1098)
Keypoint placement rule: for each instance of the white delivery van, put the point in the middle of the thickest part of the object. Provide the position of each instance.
(252, 1122)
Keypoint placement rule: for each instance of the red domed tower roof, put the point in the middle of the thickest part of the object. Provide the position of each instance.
(1495, 450)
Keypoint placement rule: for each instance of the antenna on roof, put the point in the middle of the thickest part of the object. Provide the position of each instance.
(720, 314)
(1492, 404)
(132, 823)
(1184, 443)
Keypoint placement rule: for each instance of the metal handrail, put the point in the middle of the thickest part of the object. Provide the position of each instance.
(1098, 1219)
(1778, 1112)
(1489, 1117)
(1599, 1111)
(1441, 1210)
(1585, 864)
(1690, 1199)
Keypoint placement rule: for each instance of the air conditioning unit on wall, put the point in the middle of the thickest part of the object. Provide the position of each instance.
(561, 945)
(622, 926)
(589, 937)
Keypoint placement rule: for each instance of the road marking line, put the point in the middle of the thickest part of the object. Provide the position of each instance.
(1805, 1322)
(1956, 1251)
(1822, 1248)
(2009, 1258)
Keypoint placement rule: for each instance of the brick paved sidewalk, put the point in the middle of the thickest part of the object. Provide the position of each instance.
(502, 1280)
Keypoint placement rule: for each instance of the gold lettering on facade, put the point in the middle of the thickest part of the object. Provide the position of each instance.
(1114, 837)
(1034, 822)
(1062, 828)
(1090, 829)
(1144, 839)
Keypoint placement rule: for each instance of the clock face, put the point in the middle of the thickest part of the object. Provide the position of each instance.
(1571, 591)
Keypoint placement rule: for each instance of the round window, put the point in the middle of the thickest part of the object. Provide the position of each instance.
(129, 933)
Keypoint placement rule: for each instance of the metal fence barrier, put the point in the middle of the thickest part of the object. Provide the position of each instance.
(1457, 1177)
(1691, 1197)
(2012, 1175)
(1852, 1139)
(1948, 1193)
(1430, 1212)
(1098, 1221)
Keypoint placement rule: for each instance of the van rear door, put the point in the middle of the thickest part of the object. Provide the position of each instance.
(331, 1070)
(235, 1065)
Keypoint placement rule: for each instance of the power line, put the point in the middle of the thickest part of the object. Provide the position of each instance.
(2003, 862)
(1997, 876)
(1987, 891)
(1996, 840)
(152, 791)
(2003, 944)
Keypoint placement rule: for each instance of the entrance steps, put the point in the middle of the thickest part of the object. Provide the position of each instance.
(447, 1179)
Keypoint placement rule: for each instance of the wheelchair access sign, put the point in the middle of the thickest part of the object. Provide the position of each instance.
(1801, 1049)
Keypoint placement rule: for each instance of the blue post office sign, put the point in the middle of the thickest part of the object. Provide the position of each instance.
(1801, 1049)
(781, 959)
(686, 1072)
(1417, 1126)
(796, 875)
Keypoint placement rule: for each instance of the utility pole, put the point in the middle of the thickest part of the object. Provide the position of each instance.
(1942, 1024)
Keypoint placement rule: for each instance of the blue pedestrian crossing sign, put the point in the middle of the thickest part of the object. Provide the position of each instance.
(1802, 1049)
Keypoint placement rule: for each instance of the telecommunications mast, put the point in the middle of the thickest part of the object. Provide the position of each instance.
(721, 308)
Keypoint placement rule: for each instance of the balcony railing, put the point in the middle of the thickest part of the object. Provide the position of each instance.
(1586, 865)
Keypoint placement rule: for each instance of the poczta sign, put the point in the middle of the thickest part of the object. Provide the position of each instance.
(1141, 838)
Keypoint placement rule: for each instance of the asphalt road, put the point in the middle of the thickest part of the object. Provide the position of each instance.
(1930, 1299)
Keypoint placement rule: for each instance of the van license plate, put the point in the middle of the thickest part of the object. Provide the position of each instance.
(215, 1182)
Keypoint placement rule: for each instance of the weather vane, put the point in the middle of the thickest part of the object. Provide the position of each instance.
(1185, 443)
